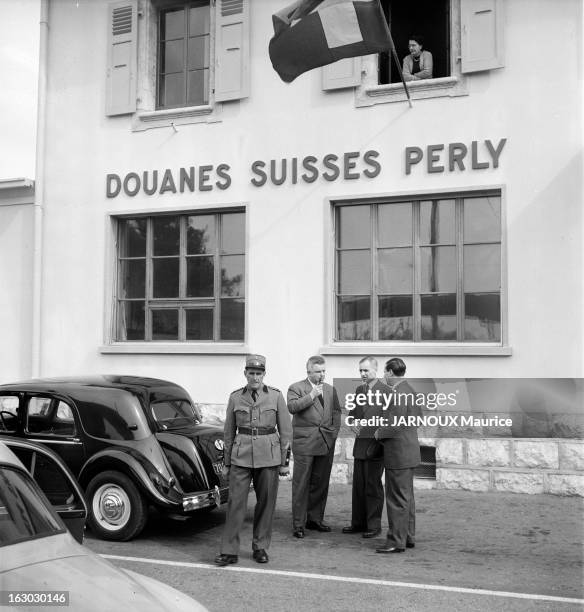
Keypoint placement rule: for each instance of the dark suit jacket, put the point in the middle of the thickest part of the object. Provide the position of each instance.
(365, 437)
(314, 427)
(401, 446)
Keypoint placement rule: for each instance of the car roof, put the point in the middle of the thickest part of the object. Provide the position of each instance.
(68, 384)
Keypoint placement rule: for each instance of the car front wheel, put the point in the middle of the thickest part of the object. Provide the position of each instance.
(117, 509)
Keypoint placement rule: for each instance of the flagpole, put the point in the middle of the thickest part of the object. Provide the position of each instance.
(399, 68)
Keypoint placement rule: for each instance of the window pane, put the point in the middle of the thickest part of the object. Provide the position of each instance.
(133, 278)
(172, 56)
(232, 275)
(482, 317)
(353, 227)
(166, 231)
(200, 234)
(354, 315)
(173, 23)
(396, 318)
(200, 277)
(233, 233)
(165, 277)
(395, 270)
(437, 222)
(199, 20)
(395, 224)
(232, 319)
(482, 268)
(438, 317)
(172, 90)
(131, 321)
(198, 53)
(200, 324)
(354, 272)
(482, 219)
(198, 91)
(165, 324)
(133, 238)
(438, 268)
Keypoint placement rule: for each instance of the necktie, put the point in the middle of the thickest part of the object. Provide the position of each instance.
(321, 400)
(254, 395)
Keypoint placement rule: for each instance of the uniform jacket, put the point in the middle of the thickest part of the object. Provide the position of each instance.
(426, 67)
(401, 446)
(365, 437)
(315, 427)
(256, 451)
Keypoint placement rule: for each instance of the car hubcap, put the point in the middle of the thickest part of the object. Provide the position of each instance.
(111, 507)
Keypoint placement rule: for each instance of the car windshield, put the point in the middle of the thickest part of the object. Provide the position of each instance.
(170, 414)
(23, 513)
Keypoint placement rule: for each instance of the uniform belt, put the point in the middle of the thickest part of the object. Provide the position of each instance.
(256, 431)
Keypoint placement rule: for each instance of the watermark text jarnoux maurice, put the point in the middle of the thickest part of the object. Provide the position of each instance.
(431, 401)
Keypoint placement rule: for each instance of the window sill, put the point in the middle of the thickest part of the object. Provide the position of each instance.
(146, 120)
(173, 348)
(441, 349)
(368, 95)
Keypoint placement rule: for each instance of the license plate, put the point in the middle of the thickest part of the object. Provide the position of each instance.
(218, 466)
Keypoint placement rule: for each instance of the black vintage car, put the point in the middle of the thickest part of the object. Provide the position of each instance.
(130, 441)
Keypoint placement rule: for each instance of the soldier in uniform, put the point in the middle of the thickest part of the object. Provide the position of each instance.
(257, 440)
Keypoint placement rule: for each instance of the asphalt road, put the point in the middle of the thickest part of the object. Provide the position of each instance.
(475, 551)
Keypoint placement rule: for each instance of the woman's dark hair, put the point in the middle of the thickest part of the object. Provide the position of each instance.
(419, 39)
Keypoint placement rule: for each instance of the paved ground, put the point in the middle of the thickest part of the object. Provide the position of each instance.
(529, 545)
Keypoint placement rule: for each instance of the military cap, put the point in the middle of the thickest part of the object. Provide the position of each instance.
(255, 361)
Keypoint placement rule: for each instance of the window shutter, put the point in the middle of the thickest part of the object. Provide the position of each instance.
(120, 88)
(343, 73)
(232, 50)
(482, 35)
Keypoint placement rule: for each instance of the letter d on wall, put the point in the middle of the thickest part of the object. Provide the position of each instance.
(113, 185)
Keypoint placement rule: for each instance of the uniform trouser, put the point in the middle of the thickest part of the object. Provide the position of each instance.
(367, 497)
(310, 484)
(401, 507)
(265, 482)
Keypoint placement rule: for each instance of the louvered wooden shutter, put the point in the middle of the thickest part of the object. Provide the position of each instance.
(482, 35)
(343, 73)
(232, 50)
(121, 58)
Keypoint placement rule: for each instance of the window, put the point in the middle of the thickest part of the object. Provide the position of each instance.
(181, 277)
(8, 413)
(49, 416)
(177, 60)
(184, 55)
(419, 270)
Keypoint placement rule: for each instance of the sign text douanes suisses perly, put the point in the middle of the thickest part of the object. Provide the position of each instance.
(353, 165)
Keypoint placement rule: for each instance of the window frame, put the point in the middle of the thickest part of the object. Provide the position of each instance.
(333, 346)
(112, 345)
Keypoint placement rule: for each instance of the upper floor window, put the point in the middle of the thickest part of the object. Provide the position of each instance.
(420, 269)
(184, 55)
(181, 277)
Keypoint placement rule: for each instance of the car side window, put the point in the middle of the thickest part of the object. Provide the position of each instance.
(49, 416)
(8, 413)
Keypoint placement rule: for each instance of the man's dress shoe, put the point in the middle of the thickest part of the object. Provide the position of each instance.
(223, 560)
(389, 549)
(260, 555)
(352, 529)
(317, 526)
(299, 533)
(410, 545)
(372, 533)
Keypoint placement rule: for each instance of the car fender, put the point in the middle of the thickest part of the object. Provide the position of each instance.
(123, 461)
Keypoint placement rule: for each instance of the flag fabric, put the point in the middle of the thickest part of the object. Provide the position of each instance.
(313, 33)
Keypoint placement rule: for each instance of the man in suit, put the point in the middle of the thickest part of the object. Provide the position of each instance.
(257, 437)
(367, 492)
(401, 456)
(315, 424)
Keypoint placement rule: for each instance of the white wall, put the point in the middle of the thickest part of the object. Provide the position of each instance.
(530, 102)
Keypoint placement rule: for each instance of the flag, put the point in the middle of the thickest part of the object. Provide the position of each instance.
(313, 33)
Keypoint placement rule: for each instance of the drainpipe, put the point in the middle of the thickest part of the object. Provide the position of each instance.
(39, 199)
